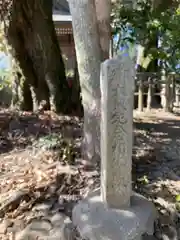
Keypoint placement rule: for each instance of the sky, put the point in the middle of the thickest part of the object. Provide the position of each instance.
(4, 61)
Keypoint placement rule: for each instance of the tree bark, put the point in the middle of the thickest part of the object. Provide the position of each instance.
(91, 27)
(88, 51)
(103, 12)
(32, 35)
(76, 94)
(17, 42)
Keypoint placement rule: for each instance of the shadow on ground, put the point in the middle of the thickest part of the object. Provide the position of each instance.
(156, 162)
(19, 130)
(54, 186)
(155, 138)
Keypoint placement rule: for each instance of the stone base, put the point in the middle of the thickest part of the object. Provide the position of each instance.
(95, 221)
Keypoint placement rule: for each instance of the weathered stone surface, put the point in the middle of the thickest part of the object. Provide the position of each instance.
(115, 212)
(148, 237)
(117, 88)
(96, 221)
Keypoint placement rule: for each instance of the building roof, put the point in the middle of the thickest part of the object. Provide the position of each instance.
(61, 11)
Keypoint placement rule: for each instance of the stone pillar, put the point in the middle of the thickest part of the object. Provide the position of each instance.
(165, 91)
(117, 94)
(115, 211)
(88, 52)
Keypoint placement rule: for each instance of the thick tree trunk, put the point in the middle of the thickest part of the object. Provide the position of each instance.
(76, 94)
(88, 53)
(91, 26)
(103, 11)
(27, 103)
(16, 40)
(32, 35)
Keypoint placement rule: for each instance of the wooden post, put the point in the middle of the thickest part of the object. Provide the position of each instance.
(173, 85)
(150, 93)
(167, 94)
(177, 96)
(165, 91)
(140, 95)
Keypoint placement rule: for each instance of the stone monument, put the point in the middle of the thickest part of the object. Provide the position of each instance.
(117, 87)
(115, 212)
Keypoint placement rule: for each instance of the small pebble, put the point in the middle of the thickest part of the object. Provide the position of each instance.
(58, 219)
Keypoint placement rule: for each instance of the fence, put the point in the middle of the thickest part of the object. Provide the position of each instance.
(150, 86)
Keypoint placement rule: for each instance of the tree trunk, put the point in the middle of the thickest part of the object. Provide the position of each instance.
(16, 40)
(103, 11)
(27, 103)
(32, 35)
(91, 25)
(87, 44)
(76, 94)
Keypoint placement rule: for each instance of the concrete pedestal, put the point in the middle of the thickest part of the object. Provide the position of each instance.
(95, 221)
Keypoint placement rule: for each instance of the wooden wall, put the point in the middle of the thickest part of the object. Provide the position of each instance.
(66, 42)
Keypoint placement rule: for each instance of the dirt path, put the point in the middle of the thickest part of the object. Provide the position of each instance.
(156, 160)
(42, 174)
